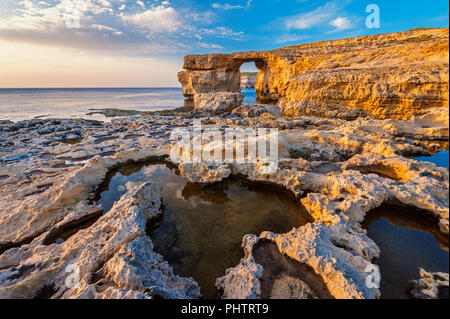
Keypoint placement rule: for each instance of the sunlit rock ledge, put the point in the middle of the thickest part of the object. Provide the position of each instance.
(338, 169)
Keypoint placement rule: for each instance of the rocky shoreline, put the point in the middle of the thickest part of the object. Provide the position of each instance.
(338, 169)
(349, 117)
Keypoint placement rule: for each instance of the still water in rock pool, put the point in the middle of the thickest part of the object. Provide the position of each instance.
(202, 229)
(408, 240)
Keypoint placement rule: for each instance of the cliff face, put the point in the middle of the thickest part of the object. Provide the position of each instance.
(248, 81)
(395, 75)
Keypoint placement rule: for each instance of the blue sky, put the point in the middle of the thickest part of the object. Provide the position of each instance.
(142, 42)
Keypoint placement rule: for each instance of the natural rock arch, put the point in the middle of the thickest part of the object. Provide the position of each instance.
(214, 73)
(346, 78)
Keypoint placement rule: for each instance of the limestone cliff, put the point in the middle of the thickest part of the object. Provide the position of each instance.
(248, 80)
(396, 75)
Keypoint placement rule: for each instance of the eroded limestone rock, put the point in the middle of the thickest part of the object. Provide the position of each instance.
(429, 285)
(342, 169)
(217, 103)
(395, 75)
(113, 259)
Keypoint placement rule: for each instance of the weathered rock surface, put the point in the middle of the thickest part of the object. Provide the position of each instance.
(113, 259)
(429, 285)
(252, 110)
(339, 254)
(346, 169)
(217, 103)
(395, 75)
(341, 170)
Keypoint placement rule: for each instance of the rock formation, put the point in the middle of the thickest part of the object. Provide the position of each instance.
(395, 75)
(429, 285)
(113, 259)
(217, 103)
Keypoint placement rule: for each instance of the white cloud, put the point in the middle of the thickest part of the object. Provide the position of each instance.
(330, 14)
(141, 4)
(222, 32)
(41, 16)
(210, 45)
(104, 3)
(341, 23)
(102, 27)
(227, 6)
(156, 19)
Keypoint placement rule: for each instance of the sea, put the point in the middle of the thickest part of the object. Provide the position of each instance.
(25, 104)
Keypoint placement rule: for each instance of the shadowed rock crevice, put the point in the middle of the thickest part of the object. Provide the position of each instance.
(284, 277)
(61, 233)
(47, 292)
(7, 246)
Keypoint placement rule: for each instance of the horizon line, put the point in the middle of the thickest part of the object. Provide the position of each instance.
(93, 87)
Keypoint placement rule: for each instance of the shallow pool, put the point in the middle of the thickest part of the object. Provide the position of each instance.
(202, 229)
(408, 240)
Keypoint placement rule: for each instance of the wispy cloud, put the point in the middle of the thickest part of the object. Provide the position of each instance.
(331, 14)
(112, 25)
(341, 23)
(210, 45)
(158, 19)
(312, 18)
(227, 6)
(290, 38)
(40, 15)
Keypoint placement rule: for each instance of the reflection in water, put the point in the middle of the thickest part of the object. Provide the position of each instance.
(441, 158)
(202, 229)
(407, 241)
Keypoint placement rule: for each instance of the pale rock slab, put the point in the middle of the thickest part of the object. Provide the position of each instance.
(340, 254)
(217, 103)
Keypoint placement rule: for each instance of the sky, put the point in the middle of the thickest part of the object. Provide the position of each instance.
(141, 43)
